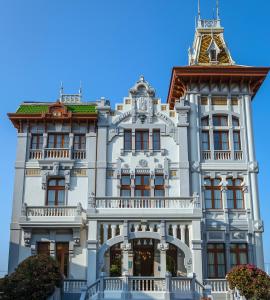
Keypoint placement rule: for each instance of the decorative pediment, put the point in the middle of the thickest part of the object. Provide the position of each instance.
(58, 110)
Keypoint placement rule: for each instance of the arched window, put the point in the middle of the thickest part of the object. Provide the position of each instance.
(56, 192)
(212, 193)
(213, 55)
(235, 196)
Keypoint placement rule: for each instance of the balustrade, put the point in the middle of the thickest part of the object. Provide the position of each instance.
(121, 202)
(35, 154)
(73, 286)
(78, 154)
(146, 284)
(218, 285)
(57, 153)
(51, 211)
(222, 155)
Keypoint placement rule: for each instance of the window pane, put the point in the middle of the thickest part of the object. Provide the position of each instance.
(51, 141)
(145, 140)
(235, 121)
(230, 199)
(61, 182)
(52, 182)
(225, 141)
(159, 180)
(217, 195)
(208, 198)
(239, 199)
(217, 141)
(146, 180)
(205, 121)
(220, 120)
(51, 197)
(156, 140)
(127, 140)
(146, 193)
(243, 259)
(205, 140)
(125, 180)
(61, 197)
(138, 193)
(236, 140)
(125, 193)
(138, 180)
(159, 193)
(66, 141)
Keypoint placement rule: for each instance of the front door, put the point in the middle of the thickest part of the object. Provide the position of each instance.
(143, 257)
(62, 257)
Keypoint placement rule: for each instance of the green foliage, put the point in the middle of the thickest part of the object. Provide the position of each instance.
(34, 279)
(251, 282)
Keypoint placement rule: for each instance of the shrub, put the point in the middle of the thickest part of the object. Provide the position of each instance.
(35, 279)
(250, 281)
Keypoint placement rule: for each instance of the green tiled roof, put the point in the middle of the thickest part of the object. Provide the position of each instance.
(38, 109)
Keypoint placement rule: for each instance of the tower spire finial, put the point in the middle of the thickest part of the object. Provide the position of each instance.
(217, 9)
(199, 9)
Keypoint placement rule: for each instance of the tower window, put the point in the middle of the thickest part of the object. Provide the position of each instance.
(235, 196)
(212, 194)
(59, 140)
(159, 186)
(221, 140)
(142, 185)
(239, 254)
(216, 260)
(213, 55)
(36, 141)
(79, 142)
(142, 139)
(125, 186)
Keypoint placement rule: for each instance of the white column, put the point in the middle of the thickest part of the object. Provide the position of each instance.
(113, 227)
(196, 249)
(105, 232)
(183, 233)
(190, 235)
(174, 231)
(163, 247)
(92, 252)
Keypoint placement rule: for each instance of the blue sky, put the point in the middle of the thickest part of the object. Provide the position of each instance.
(106, 45)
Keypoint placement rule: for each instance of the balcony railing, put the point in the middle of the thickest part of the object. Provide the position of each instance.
(218, 285)
(51, 211)
(222, 155)
(146, 202)
(56, 153)
(146, 288)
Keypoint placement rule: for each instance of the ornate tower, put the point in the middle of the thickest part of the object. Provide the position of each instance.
(221, 148)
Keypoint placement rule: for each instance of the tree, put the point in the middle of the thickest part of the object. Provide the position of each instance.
(35, 279)
(250, 281)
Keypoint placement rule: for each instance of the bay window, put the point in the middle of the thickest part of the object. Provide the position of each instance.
(221, 140)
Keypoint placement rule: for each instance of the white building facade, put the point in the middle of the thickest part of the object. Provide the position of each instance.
(144, 188)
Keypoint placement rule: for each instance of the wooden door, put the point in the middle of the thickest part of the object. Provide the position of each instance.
(62, 257)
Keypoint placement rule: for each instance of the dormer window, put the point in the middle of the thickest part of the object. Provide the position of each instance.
(213, 55)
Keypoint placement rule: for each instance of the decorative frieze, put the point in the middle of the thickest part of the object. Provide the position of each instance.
(32, 172)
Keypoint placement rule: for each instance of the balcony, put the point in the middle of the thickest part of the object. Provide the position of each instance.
(56, 154)
(145, 206)
(222, 155)
(42, 216)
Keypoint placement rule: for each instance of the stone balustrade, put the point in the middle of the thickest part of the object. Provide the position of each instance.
(146, 202)
(127, 287)
(218, 285)
(222, 155)
(51, 211)
(56, 153)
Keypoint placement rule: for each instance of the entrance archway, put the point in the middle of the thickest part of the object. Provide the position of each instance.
(143, 257)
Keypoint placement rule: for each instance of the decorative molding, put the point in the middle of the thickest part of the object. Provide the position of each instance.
(32, 172)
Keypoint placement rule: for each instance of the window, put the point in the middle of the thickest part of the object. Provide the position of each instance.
(221, 140)
(36, 141)
(79, 142)
(156, 139)
(127, 139)
(43, 248)
(220, 120)
(56, 192)
(213, 55)
(62, 257)
(159, 186)
(205, 121)
(142, 185)
(205, 141)
(142, 139)
(125, 186)
(216, 260)
(235, 196)
(235, 121)
(238, 254)
(58, 141)
(212, 193)
(236, 141)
